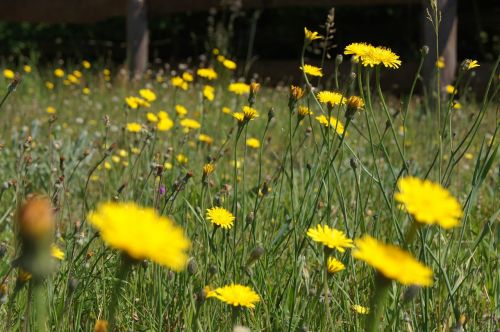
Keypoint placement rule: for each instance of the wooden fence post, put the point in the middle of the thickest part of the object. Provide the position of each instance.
(137, 38)
(447, 42)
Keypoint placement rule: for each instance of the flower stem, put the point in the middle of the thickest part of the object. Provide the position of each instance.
(377, 303)
(121, 275)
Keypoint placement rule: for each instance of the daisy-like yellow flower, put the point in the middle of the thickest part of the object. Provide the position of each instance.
(50, 110)
(77, 73)
(311, 35)
(360, 309)
(187, 76)
(181, 110)
(296, 92)
(355, 102)
(221, 58)
(220, 217)
(457, 105)
(86, 91)
(304, 111)
(86, 64)
(330, 237)
(226, 110)
(73, 79)
(331, 98)
(239, 88)
(56, 252)
(357, 50)
(27, 69)
(334, 265)
(141, 233)
(152, 117)
(450, 89)
(236, 295)
(209, 92)
(134, 127)
(253, 143)
(312, 70)
(8, 74)
(205, 138)
(381, 55)
(393, 262)
(229, 64)
(179, 82)
(208, 169)
(249, 113)
(59, 73)
(334, 123)
(207, 73)
(181, 159)
(132, 102)
(49, 85)
(469, 64)
(147, 94)
(428, 202)
(190, 123)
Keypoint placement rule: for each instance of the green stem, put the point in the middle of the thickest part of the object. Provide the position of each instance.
(377, 303)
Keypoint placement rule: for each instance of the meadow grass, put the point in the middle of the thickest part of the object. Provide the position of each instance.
(301, 175)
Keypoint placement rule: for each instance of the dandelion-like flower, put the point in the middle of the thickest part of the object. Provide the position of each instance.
(220, 217)
(332, 122)
(147, 94)
(331, 98)
(312, 70)
(296, 92)
(190, 123)
(8, 74)
(209, 92)
(250, 113)
(428, 202)
(311, 35)
(235, 295)
(229, 64)
(450, 89)
(440, 64)
(239, 88)
(393, 262)
(371, 56)
(207, 73)
(334, 265)
(181, 110)
(304, 111)
(164, 124)
(205, 138)
(360, 309)
(141, 233)
(330, 237)
(253, 143)
(179, 82)
(469, 64)
(208, 169)
(134, 127)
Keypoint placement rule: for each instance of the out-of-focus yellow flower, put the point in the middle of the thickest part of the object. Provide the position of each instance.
(215, 51)
(73, 79)
(147, 94)
(334, 123)
(450, 89)
(27, 69)
(101, 326)
(56, 252)
(115, 159)
(134, 127)
(296, 92)
(181, 159)
(107, 165)
(360, 309)
(86, 64)
(253, 143)
(207, 73)
(440, 63)
(141, 233)
(221, 58)
(468, 156)
(86, 91)
(209, 92)
(178, 82)
(123, 153)
(190, 123)
(152, 117)
(50, 110)
(312, 70)
(239, 88)
(8, 74)
(226, 110)
(181, 110)
(229, 64)
(59, 73)
(208, 168)
(187, 76)
(162, 115)
(304, 111)
(457, 105)
(77, 73)
(49, 85)
(106, 72)
(165, 124)
(205, 138)
(393, 262)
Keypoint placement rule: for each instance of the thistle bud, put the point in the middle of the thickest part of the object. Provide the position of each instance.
(192, 267)
(256, 253)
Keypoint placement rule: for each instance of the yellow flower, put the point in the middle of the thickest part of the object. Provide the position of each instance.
(226, 110)
(207, 73)
(134, 127)
(147, 94)
(164, 124)
(330, 237)
(311, 35)
(181, 159)
(312, 70)
(355, 102)
(209, 92)
(253, 143)
(357, 50)
(440, 63)
(451, 89)
(27, 69)
(56, 252)
(208, 169)
(132, 102)
(179, 82)
(123, 153)
(236, 295)
(205, 139)
(239, 88)
(77, 73)
(49, 85)
(8, 74)
(457, 105)
(373, 56)
(73, 79)
(190, 123)
(86, 64)
(106, 72)
(152, 117)
(162, 115)
(220, 217)
(304, 111)
(168, 165)
(229, 64)
(187, 76)
(296, 92)
(50, 110)
(469, 64)
(334, 123)
(239, 116)
(59, 72)
(141, 233)
(393, 262)
(360, 309)
(181, 110)
(86, 91)
(428, 202)
(115, 159)
(468, 156)
(101, 326)
(221, 58)
(331, 98)
(334, 265)
(249, 113)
